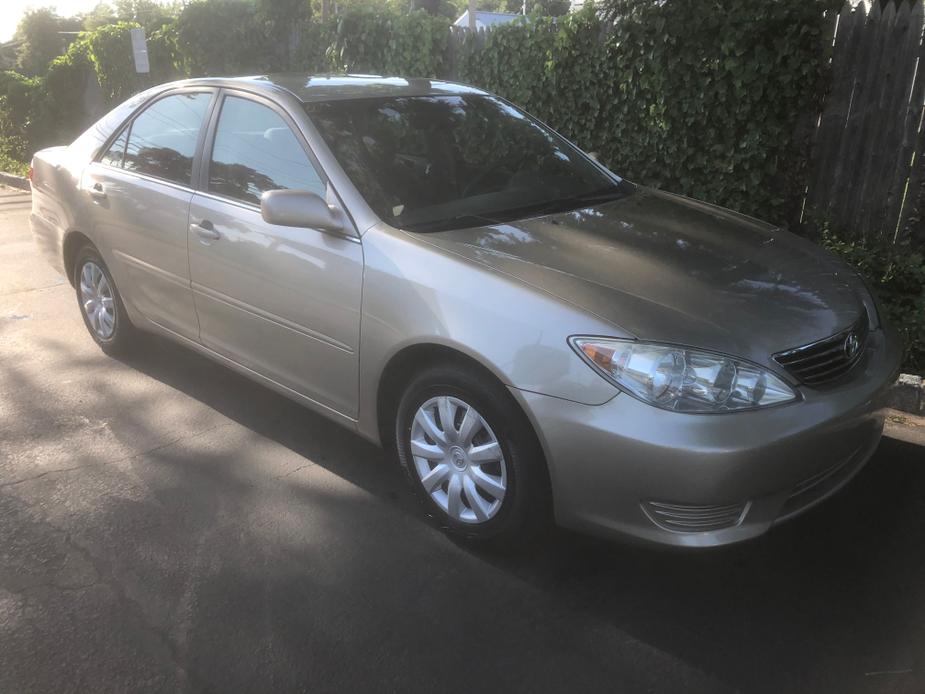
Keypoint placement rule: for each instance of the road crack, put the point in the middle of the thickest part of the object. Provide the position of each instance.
(41, 475)
(33, 289)
(124, 459)
(296, 470)
(187, 680)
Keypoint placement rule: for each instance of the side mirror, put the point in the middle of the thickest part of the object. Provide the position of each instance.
(300, 208)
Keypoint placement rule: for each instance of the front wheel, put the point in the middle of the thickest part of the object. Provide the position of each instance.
(100, 304)
(471, 456)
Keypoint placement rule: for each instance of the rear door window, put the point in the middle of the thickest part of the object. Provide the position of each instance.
(162, 139)
(256, 151)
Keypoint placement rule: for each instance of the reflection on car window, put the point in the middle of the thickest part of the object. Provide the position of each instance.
(437, 162)
(255, 151)
(162, 140)
(116, 153)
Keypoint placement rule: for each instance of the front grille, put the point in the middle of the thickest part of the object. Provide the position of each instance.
(827, 360)
(685, 518)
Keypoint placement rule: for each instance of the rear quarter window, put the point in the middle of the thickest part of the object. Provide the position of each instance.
(93, 138)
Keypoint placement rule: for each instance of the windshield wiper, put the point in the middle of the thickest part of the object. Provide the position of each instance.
(455, 222)
(540, 208)
(573, 202)
(563, 204)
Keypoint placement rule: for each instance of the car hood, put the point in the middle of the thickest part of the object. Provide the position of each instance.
(666, 268)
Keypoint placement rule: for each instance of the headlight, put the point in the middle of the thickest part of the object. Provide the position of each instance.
(681, 379)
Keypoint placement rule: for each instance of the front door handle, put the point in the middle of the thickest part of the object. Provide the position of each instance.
(97, 192)
(206, 230)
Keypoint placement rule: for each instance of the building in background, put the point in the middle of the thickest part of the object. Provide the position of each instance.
(8, 55)
(484, 20)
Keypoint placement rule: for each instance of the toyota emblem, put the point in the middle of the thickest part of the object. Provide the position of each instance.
(852, 345)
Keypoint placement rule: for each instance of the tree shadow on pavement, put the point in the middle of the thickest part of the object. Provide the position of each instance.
(833, 599)
(195, 571)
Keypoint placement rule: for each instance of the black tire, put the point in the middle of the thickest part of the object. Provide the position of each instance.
(524, 511)
(123, 333)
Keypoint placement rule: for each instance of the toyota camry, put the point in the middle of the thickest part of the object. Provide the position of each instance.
(534, 336)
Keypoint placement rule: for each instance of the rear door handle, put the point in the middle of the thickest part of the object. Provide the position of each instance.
(206, 230)
(97, 192)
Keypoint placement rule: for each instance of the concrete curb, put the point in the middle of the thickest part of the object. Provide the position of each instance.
(14, 180)
(908, 394)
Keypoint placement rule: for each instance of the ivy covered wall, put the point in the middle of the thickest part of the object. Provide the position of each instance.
(710, 99)
(713, 102)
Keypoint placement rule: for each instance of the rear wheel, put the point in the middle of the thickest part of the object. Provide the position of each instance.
(471, 456)
(100, 304)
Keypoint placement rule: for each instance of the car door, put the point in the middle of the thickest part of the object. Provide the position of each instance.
(282, 301)
(141, 187)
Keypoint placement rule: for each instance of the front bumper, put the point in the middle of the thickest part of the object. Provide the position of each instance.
(626, 468)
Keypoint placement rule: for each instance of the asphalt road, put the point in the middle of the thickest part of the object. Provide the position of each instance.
(166, 525)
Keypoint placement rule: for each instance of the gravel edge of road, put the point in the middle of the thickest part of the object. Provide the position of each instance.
(15, 181)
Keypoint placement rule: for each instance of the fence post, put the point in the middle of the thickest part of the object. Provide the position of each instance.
(908, 112)
(869, 130)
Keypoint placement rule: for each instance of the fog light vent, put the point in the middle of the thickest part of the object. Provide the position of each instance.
(684, 518)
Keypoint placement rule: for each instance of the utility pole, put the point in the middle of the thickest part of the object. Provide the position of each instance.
(472, 16)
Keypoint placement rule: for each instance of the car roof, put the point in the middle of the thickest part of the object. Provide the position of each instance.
(312, 88)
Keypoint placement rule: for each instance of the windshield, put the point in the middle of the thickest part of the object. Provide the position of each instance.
(429, 163)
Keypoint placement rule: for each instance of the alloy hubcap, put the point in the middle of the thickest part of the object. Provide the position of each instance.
(96, 300)
(458, 459)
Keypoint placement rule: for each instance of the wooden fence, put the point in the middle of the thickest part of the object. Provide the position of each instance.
(869, 151)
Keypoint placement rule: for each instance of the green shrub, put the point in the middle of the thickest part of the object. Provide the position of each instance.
(221, 37)
(164, 55)
(897, 275)
(19, 97)
(514, 61)
(109, 50)
(708, 99)
(312, 53)
(65, 85)
(554, 68)
(23, 116)
(8, 164)
(368, 40)
(699, 98)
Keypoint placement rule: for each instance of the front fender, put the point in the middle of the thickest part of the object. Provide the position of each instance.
(417, 294)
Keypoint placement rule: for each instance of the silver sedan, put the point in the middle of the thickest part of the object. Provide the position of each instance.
(535, 337)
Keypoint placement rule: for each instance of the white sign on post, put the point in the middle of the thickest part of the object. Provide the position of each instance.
(140, 50)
